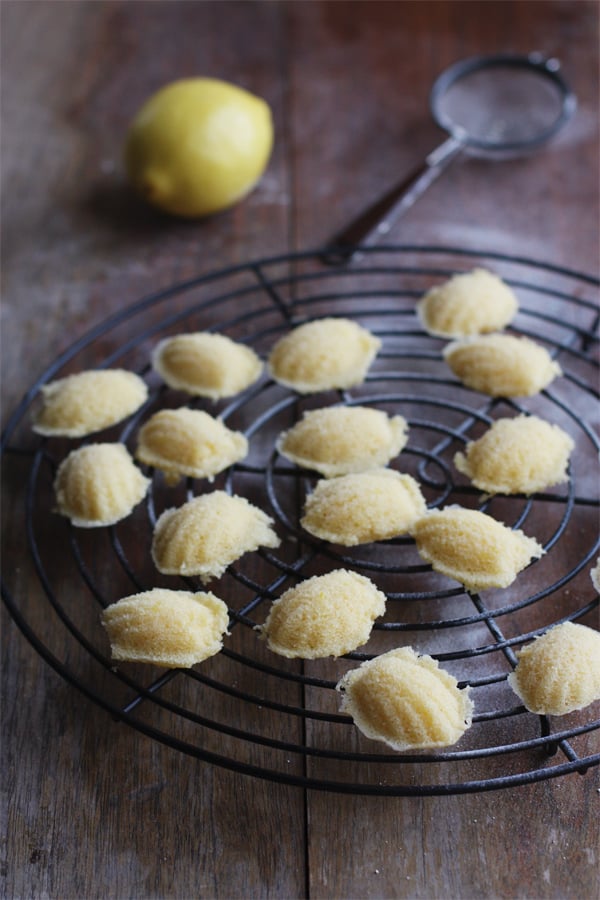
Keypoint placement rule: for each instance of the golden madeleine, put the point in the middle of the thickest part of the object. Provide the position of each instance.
(167, 628)
(326, 615)
(470, 303)
(502, 365)
(322, 355)
(559, 672)
(517, 456)
(338, 440)
(189, 442)
(204, 536)
(595, 576)
(81, 404)
(363, 507)
(205, 364)
(406, 701)
(98, 485)
(473, 548)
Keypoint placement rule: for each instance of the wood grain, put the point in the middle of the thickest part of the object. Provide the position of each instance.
(91, 807)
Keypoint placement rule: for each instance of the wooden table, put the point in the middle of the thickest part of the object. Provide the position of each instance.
(96, 809)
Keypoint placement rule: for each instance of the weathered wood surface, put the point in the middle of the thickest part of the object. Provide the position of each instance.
(92, 808)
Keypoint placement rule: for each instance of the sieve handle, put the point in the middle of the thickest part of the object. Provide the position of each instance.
(378, 219)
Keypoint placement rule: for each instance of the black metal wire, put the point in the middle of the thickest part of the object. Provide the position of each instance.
(256, 303)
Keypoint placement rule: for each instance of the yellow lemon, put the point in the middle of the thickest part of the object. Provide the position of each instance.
(198, 146)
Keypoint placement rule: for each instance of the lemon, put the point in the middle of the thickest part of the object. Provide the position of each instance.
(198, 146)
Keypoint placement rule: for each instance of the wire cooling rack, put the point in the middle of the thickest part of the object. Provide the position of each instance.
(248, 709)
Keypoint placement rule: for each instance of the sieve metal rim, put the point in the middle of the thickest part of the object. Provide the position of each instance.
(548, 68)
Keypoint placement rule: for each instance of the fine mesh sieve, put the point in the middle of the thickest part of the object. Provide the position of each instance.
(493, 106)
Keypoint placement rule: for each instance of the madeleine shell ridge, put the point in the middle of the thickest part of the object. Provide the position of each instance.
(473, 547)
(326, 615)
(167, 628)
(339, 440)
(98, 485)
(468, 303)
(520, 455)
(501, 365)
(189, 442)
(81, 404)
(205, 535)
(363, 507)
(322, 355)
(559, 672)
(406, 701)
(206, 364)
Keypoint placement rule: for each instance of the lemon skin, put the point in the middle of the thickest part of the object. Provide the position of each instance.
(198, 146)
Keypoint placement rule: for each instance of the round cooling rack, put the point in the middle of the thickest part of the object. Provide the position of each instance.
(248, 709)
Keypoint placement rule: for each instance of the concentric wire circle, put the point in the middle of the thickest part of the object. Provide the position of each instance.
(248, 709)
